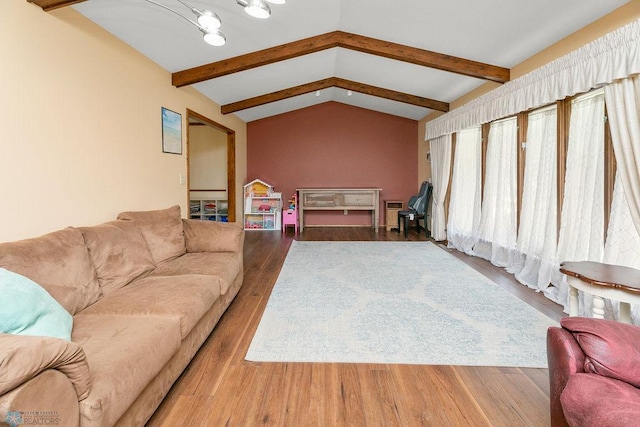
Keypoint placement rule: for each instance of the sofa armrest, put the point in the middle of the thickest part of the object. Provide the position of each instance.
(611, 348)
(23, 357)
(46, 399)
(565, 358)
(211, 236)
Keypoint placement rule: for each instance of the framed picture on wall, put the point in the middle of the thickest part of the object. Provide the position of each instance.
(171, 132)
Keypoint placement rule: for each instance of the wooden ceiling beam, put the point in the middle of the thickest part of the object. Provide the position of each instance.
(48, 5)
(334, 82)
(393, 95)
(256, 101)
(423, 57)
(254, 59)
(344, 40)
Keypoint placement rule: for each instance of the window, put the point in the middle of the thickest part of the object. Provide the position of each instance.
(537, 231)
(498, 229)
(582, 219)
(464, 208)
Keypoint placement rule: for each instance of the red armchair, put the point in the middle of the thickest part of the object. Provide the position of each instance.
(594, 373)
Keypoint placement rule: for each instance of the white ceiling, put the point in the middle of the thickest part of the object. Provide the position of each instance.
(496, 32)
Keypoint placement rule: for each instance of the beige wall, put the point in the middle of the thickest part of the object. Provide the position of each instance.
(80, 122)
(616, 19)
(207, 162)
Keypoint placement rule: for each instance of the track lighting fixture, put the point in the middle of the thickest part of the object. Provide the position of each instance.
(209, 23)
(206, 18)
(258, 8)
(214, 38)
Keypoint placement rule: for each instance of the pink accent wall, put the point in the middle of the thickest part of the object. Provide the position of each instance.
(335, 145)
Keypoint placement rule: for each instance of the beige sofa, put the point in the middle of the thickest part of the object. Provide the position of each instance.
(145, 291)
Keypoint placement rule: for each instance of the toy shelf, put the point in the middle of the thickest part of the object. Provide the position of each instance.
(209, 209)
(262, 207)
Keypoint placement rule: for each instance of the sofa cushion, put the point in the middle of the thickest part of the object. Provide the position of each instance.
(610, 347)
(594, 400)
(119, 253)
(28, 309)
(59, 262)
(162, 230)
(124, 354)
(211, 236)
(183, 298)
(224, 265)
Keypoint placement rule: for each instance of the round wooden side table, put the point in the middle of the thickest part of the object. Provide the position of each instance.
(602, 281)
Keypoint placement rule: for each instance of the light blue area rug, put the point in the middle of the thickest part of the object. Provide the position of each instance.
(394, 302)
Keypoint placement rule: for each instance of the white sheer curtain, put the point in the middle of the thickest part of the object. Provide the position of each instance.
(622, 247)
(466, 197)
(440, 168)
(497, 232)
(623, 108)
(536, 246)
(609, 58)
(623, 243)
(582, 220)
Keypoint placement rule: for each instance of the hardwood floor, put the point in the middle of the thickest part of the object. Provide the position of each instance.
(220, 388)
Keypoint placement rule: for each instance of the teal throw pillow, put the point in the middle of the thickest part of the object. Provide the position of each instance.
(27, 309)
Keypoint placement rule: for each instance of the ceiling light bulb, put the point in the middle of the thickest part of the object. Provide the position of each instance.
(256, 8)
(209, 20)
(349, 93)
(317, 93)
(215, 38)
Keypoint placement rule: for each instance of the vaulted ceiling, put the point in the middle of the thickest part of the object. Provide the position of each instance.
(405, 58)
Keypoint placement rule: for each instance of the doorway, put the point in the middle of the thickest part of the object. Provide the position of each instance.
(211, 168)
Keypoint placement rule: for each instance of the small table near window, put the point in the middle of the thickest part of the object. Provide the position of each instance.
(602, 281)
